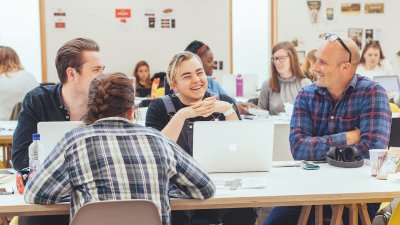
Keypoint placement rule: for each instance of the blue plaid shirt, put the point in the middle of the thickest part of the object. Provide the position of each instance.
(114, 159)
(318, 123)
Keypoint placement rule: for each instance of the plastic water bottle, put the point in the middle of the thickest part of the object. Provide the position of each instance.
(34, 149)
(239, 85)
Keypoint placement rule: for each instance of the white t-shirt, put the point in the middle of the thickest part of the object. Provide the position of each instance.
(384, 69)
(13, 88)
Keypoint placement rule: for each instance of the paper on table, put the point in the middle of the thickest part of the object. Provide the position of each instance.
(245, 183)
(6, 179)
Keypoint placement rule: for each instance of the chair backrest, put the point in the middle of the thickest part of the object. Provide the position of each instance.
(121, 212)
(394, 140)
(15, 111)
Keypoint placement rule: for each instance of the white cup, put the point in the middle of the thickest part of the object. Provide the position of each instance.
(377, 157)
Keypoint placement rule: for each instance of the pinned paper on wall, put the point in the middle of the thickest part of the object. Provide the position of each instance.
(369, 35)
(150, 18)
(123, 18)
(167, 19)
(60, 19)
(355, 34)
(374, 8)
(329, 13)
(351, 8)
(313, 9)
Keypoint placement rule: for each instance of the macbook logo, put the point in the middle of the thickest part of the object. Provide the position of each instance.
(233, 147)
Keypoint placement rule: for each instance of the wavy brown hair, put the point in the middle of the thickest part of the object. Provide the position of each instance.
(135, 74)
(9, 61)
(308, 64)
(372, 44)
(294, 64)
(109, 95)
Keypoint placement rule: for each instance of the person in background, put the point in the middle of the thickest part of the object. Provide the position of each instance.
(15, 82)
(340, 109)
(174, 115)
(111, 141)
(78, 62)
(308, 64)
(373, 62)
(142, 79)
(207, 58)
(286, 79)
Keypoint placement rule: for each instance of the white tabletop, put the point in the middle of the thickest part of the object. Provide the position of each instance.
(7, 127)
(284, 186)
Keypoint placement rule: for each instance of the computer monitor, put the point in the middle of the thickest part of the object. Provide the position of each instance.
(390, 83)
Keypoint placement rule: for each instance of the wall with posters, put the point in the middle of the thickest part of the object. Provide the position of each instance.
(132, 30)
(304, 23)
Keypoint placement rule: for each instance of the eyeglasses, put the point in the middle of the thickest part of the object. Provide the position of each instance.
(334, 37)
(280, 59)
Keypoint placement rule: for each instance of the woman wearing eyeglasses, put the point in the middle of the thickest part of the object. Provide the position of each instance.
(373, 62)
(285, 81)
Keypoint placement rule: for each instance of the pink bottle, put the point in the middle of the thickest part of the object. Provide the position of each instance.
(239, 85)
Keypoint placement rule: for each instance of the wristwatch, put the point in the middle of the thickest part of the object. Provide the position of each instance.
(229, 111)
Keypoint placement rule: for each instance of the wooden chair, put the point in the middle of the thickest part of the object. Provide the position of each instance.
(121, 212)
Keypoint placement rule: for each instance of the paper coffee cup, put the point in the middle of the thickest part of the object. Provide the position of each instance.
(377, 157)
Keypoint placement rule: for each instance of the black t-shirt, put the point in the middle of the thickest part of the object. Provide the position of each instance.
(157, 116)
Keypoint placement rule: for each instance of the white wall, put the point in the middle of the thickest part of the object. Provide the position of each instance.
(251, 37)
(20, 30)
(122, 48)
(294, 22)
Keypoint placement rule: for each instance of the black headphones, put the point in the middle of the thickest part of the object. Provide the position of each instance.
(346, 157)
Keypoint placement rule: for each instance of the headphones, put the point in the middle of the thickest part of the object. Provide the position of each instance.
(346, 157)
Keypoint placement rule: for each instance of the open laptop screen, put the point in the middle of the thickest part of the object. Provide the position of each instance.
(51, 133)
(233, 146)
(390, 83)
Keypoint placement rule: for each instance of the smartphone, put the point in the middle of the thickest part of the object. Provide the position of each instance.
(6, 191)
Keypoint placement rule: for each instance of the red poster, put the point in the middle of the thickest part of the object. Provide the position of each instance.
(122, 13)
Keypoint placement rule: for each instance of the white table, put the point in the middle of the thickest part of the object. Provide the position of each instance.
(285, 187)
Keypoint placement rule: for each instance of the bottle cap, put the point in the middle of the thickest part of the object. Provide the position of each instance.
(35, 137)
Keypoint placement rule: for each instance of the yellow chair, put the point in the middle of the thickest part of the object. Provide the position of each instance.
(160, 92)
(394, 107)
(395, 218)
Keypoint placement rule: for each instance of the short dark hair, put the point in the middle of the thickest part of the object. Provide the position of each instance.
(109, 95)
(70, 55)
(197, 47)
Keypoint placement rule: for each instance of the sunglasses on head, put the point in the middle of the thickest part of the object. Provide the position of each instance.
(334, 37)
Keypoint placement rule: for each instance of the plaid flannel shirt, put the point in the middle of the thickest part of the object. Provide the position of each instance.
(114, 159)
(318, 123)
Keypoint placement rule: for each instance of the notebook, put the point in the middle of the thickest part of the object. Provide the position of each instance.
(51, 133)
(390, 83)
(233, 146)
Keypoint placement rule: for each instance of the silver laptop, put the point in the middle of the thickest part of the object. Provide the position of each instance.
(233, 146)
(390, 83)
(51, 133)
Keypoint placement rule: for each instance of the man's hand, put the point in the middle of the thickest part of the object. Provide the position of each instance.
(353, 137)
